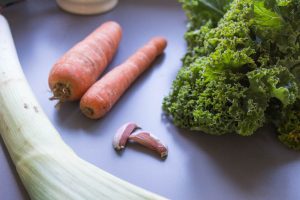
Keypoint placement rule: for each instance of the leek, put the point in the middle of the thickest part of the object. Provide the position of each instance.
(48, 168)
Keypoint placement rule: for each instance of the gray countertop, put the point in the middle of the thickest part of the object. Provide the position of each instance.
(199, 166)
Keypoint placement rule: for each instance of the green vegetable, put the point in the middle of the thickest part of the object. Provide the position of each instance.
(241, 69)
(200, 11)
(48, 168)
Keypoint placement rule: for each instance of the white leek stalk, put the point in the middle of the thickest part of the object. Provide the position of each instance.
(48, 168)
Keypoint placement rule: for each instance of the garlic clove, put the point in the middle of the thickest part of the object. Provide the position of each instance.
(150, 141)
(122, 135)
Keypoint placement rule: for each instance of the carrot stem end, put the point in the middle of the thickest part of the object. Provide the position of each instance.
(61, 92)
(89, 112)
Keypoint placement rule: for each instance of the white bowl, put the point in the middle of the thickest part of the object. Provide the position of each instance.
(87, 7)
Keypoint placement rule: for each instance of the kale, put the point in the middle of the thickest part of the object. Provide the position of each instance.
(241, 69)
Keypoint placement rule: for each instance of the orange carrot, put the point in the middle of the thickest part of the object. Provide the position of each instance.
(103, 94)
(73, 74)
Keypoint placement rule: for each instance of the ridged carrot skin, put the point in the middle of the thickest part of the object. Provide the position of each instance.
(103, 94)
(79, 68)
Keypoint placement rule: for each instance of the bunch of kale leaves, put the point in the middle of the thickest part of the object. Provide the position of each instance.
(241, 69)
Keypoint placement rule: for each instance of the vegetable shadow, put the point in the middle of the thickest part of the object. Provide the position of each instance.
(69, 116)
(245, 162)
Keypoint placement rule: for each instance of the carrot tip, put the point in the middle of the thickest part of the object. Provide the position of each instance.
(160, 43)
(61, 92)
(89, 112)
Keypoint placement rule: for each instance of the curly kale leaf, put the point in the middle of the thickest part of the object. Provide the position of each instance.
(266, 18)
(274, 82)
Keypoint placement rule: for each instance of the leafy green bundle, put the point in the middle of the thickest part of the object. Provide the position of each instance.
(241, 69)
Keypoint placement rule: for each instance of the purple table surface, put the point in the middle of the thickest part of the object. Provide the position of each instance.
(199, 166)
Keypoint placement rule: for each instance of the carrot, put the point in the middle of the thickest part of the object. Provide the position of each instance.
(79, 68)
(103, 94)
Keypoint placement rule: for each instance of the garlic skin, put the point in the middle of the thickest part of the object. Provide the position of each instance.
(87, 7)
